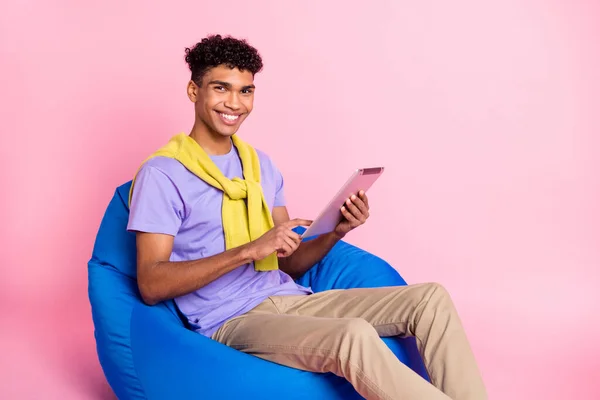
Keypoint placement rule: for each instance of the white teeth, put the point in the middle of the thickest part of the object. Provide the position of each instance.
(230, 117)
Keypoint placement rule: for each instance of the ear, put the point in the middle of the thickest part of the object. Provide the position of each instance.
(192, 91)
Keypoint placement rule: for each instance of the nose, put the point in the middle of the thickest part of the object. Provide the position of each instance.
(232, 101)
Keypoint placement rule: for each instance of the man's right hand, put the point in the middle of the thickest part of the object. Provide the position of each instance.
(281, 239)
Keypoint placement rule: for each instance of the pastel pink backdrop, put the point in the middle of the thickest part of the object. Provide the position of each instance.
(485, 114)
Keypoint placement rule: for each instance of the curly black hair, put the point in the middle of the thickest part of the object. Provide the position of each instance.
(215, 50)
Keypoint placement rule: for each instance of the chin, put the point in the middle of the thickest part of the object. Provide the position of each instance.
(227, 134)
(218, 130)
(226, 131)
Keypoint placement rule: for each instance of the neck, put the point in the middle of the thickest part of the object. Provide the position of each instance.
(212, 143)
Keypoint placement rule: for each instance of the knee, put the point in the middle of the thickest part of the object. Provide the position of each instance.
(437, 289)
(438, 296)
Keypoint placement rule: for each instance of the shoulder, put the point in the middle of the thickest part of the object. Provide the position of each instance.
(266, 162)
(167, 166)
(262, 156)
(162, 176)
(167, 169)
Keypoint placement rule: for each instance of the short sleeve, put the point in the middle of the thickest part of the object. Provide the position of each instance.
(279, 188)
(156, 205)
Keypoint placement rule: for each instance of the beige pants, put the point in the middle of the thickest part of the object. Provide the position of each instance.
(339, 331)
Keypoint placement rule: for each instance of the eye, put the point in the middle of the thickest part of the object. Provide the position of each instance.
(220, 88)
(247, 91)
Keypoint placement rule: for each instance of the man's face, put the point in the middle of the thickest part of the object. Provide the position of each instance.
(224, 99)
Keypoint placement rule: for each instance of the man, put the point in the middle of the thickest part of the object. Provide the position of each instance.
(236, 285)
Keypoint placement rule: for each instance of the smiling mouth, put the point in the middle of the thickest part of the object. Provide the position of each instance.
(229, 117)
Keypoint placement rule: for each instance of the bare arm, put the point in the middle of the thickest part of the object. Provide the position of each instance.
(160, 279)
(308, 253)
(355, 213)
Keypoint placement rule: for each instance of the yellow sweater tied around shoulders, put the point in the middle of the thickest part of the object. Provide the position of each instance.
(245, 213)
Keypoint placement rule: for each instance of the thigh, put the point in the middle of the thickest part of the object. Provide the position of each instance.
(302, 342)
(347, 347)
(388, 309)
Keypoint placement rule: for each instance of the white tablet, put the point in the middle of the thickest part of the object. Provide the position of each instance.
(327, 220)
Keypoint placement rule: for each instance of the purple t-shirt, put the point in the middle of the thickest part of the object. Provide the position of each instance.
(169, 199)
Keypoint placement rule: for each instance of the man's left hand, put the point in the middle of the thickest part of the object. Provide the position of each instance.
(355, 212)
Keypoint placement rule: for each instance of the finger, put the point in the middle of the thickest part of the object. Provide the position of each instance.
(283, 253)
(354, 211)
(285, 249)
(348, 215)
(294, 236)
(359, 204)
(363, 196)
(298, 222)
(291, 243)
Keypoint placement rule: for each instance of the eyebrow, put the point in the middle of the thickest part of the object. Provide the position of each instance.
(228, 85)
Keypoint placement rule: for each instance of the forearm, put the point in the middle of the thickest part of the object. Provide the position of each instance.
(308, 254)
(166, 280)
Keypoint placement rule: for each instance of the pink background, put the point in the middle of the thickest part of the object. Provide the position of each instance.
(485, 113)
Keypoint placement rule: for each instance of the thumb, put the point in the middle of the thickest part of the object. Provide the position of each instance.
(298, 222)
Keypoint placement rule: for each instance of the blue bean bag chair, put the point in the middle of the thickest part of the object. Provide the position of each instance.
(148, 352)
